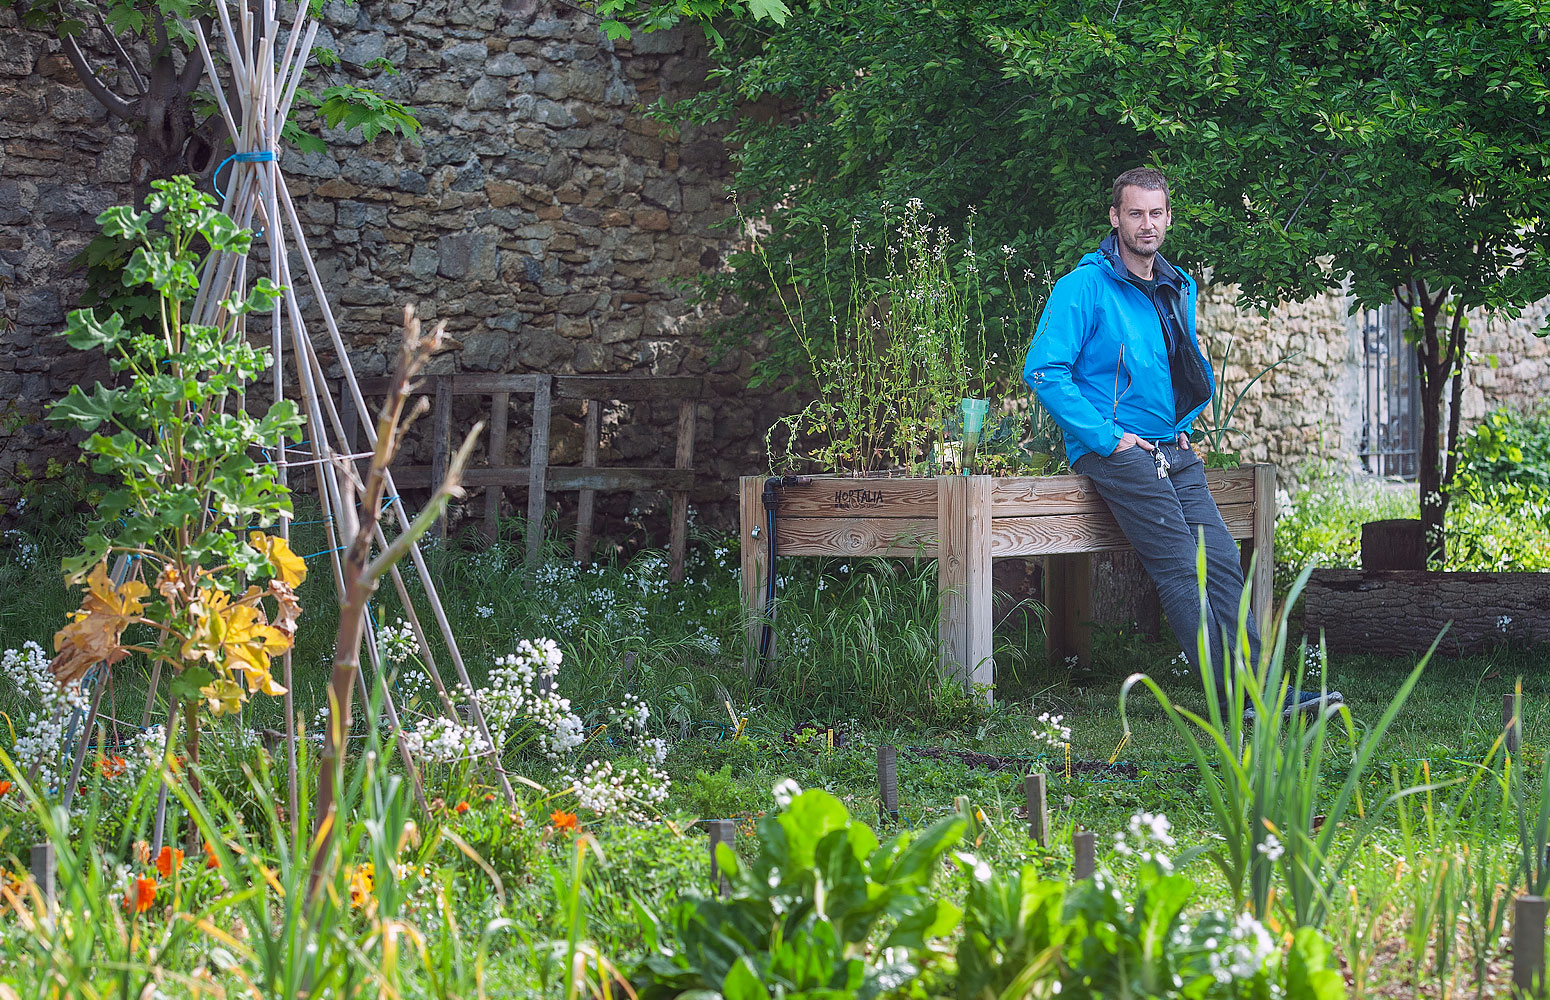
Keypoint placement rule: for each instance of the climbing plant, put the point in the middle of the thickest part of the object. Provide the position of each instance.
(192, 492)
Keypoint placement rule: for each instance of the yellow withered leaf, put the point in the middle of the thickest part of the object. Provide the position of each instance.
(288, 566)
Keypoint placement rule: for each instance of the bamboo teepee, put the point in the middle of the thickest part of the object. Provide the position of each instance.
(264, 82)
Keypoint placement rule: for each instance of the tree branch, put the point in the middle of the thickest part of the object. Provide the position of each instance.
(116, 105)
(123, 54)
(193, 69)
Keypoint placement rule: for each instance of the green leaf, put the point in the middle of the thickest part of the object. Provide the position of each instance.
(774, 10)
(85, 412)
(742, 982)
(616, 30)
(188, 681)
(83, 331)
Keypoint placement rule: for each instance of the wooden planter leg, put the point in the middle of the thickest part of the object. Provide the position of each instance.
(753, 549)
(1264, 545)
(979, 649)
(584, 502)
(1068, 595)
(678, 537)
(952, 568)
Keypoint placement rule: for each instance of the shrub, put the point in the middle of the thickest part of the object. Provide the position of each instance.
(1507, 447)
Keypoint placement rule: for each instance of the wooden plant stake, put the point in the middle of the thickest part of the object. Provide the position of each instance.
(1038, 809)
(1084, 847)
(1512, 723)
(1528, 946)
(45, 871)
(888, 780)
(722, 831)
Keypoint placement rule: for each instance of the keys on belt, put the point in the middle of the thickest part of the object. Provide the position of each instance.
(1161, 461)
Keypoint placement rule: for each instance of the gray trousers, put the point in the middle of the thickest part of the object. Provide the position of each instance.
(1164, 520)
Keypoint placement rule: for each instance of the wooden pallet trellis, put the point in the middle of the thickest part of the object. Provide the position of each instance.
(967, 521)
(538, 477)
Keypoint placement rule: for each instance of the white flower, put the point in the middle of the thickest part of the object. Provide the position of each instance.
(1271, 847)
(484, 611)
(784, 791)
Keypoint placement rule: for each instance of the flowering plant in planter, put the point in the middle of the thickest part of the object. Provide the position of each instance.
(903, 352)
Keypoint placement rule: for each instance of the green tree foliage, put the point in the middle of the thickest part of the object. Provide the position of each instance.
(1398, 147)
(1394, 146)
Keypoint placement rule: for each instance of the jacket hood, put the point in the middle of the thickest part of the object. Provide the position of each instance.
(1164, 272)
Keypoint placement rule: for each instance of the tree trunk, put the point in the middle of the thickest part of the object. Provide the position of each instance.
(1435, 363)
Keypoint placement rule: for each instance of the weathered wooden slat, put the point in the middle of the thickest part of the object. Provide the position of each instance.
(562, 478)
(468, 384)
(952, 577)
(589, 443)
(1263, 541)
(836, 496)
(557, 478)
(499, 403)
(538, 465)
(628, 387)
(1056, 533)
(857, 536)
(1028, 496)
(678, 532)
(488, 383)
(979, 665)
(752, 551)
(441, 441)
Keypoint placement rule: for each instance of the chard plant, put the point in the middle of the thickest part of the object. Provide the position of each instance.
(191, 493)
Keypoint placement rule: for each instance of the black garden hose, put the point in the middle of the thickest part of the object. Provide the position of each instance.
(771, 497)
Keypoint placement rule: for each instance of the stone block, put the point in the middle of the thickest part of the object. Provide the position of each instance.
(424, 262)
(486, 350)
(652, 220)
(16, 54)
(358, 50)
(487, 94)
(39, 307)
(663, 191)
(591, 357)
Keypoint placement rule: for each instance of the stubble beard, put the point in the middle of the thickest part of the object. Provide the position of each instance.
(1137, 250)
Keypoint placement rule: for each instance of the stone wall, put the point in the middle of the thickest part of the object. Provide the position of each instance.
(1305, 416)
(543, 216)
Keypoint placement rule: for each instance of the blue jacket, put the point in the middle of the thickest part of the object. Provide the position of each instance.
(1105, 360)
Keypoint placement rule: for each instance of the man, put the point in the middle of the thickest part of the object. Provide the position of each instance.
(1116, 362)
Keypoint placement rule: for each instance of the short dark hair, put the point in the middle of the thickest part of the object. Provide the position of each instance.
(1145, 178)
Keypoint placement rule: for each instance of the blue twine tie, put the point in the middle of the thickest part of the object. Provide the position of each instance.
(257, 156)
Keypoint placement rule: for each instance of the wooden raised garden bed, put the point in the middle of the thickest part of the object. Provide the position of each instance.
(964, 522)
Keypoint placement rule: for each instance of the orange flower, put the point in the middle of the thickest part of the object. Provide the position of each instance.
(168, 861)
(111, 767)
(489, 796)
(5, 786)
(211, 859)
(140, 895)
(563, 820)
(462, 807)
